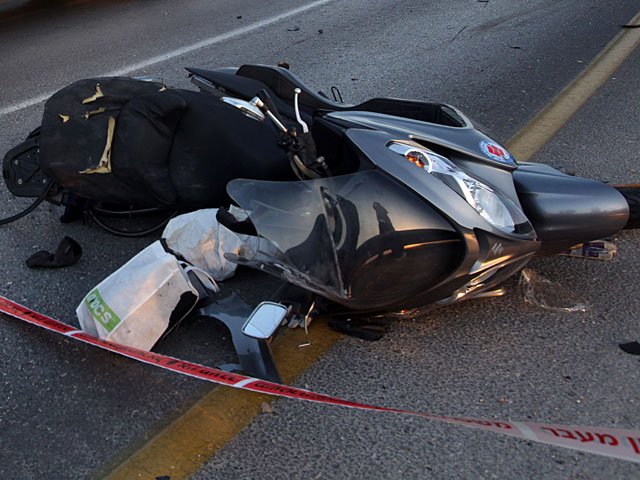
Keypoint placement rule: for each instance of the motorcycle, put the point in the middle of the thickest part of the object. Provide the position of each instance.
(384, 206)
(404, 203)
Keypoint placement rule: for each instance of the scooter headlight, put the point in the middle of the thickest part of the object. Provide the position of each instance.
(489, 202)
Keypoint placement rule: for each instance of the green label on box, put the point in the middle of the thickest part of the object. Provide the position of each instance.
(101, 311)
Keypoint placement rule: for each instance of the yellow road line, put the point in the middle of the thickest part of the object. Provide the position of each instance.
(186, 444)
(524, 144)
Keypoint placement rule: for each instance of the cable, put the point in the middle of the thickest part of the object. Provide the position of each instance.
(31, 207)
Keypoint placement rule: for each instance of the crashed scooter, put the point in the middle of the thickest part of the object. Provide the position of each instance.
(384, 206)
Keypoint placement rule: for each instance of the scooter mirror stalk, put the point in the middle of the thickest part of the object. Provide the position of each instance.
(258, 103)
(264, 321)
(248, 108)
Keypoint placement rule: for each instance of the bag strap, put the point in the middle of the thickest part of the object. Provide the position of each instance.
(203, 277)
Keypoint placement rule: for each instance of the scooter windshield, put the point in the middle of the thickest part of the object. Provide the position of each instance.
(361, 240)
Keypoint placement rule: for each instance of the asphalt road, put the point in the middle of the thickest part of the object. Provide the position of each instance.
(69, 410)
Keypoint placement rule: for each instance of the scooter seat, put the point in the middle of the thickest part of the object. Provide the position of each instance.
(283, 84)
(280, 83)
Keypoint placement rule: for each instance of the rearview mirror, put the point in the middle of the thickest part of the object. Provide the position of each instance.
(265, 320)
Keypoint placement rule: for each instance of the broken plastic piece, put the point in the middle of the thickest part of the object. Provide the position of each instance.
(104, 165)
(497, 292)
(254, 355)
(544, 293)
(412, 314)
(603, 249)
(65, 118)
(67, 253)
(632, 348)
(308, 318)
(296, 321)
(95, 96)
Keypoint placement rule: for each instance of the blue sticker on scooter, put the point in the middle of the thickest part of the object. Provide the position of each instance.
(496, 152)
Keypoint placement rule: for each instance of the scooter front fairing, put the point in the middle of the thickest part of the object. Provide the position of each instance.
(363, 240)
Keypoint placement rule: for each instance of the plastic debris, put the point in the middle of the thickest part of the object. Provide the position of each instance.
(296, 321)
(299, 321)
(67, 253)
(632, 348)
(544, 293)
(266, 407)
(603, 249)
(412, 314)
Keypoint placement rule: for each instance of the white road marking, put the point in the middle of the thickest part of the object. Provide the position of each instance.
(177, 52)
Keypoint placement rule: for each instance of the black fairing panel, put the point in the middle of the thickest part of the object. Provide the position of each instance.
(563, 209)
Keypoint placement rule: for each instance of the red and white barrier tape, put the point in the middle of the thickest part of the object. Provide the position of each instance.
(610, 442)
